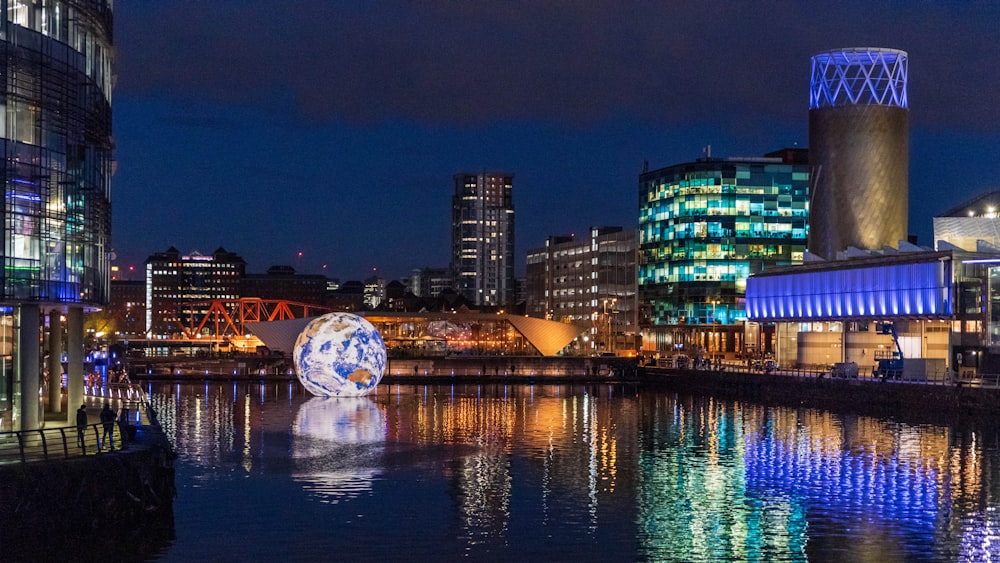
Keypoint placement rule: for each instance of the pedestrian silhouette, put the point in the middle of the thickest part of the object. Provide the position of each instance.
(108, 421)
(81, 424)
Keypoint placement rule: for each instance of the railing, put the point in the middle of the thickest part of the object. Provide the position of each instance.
(944, 378)
(49, 444)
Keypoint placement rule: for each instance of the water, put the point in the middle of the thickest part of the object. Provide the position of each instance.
(565, 473)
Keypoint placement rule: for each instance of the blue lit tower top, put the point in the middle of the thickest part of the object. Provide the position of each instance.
(858, 77)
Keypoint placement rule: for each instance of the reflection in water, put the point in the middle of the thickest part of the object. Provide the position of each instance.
(337, 445)
(586, 472)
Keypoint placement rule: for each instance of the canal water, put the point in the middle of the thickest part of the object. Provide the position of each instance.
(601, 472)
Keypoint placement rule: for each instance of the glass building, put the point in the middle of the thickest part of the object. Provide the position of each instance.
(57, 163)
(704, 228)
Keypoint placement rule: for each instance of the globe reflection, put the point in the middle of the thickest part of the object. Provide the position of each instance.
(337, 446)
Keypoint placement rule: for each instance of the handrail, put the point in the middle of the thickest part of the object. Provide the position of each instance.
(41, 444)
(35, 445)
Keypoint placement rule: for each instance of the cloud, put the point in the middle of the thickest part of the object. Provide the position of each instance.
(467, 63)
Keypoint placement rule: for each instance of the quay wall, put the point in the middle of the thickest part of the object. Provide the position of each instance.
(909, 400)
(116, 504)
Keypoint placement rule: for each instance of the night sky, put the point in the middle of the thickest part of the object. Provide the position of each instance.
(334, 128)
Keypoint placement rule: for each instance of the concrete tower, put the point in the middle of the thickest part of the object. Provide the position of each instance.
(858, 150)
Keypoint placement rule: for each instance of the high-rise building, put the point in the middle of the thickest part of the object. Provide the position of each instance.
(482, 237)
(180, 289)
(858, 150)
(704, 228)
(57, 167)
(590, 280)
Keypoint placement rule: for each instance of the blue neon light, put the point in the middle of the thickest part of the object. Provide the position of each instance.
(859, 77)
(919, 289)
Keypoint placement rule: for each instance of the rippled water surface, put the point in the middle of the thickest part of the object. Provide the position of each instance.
(573, 472)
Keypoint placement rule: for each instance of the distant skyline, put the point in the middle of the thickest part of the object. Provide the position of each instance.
(334, 128)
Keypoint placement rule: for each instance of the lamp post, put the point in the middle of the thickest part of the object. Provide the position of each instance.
(610, 342)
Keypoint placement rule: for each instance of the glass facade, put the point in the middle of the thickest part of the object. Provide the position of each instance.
(55, 126)
(706, 226)
(57, 145)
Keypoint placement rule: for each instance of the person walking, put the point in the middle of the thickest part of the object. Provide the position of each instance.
(81, 424)
(108, 421)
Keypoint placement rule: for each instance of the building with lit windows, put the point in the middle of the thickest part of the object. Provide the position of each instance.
(482, 238)
(590, 281)
(58, 161)
(180, 289)
(704, 228)
(430, 282)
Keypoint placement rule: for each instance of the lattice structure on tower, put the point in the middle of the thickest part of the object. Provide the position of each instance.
(861, 76)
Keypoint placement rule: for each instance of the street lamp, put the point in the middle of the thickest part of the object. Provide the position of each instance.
(610, 342)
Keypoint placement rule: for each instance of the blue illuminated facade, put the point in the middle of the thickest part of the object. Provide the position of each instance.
(706, 226)
(858, 289)
(944, 305)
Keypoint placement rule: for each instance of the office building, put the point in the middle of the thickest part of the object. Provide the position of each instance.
(180, 289)
(858, 150)
(704, 228)
(590, 281)
(283, 283)
(430, 282)
(482, 239)
(57, 141)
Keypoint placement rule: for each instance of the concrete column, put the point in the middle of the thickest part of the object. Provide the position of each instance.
(74, 352)
(28, 366)
(55, 361)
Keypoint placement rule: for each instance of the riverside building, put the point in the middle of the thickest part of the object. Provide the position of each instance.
(482, 238)
(704, 228)
(590, 281)
(180, 288)
(57, 167)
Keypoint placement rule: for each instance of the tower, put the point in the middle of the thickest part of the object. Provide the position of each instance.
(57, 164)
(482, 237)
(858, 150)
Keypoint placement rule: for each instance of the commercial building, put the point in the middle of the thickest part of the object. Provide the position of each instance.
(180, 288)
(971, 225)
(704, 228)
(858, 150)
(588, 280)
(942, 310)
(482, 238)
(57, 167)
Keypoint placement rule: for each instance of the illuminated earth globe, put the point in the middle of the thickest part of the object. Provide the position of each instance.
(339, 355)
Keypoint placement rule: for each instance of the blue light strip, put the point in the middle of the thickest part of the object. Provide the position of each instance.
(912, 290)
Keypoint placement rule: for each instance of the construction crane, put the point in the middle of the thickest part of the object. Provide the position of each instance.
(889, 367)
